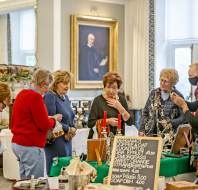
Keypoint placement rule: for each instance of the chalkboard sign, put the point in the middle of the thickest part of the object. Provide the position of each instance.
(135, 162)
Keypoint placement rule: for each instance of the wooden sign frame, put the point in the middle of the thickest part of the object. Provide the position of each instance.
(158, 151)
(181, 140)
(99, 145)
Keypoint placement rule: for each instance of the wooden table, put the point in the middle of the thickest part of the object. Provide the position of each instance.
(62, 186)
(169, 167)
(21, 188)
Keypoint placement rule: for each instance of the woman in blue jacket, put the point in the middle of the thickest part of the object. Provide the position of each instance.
(57, 102)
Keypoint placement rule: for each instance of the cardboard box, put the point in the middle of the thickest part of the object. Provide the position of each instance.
(99, 144)
(181, 185)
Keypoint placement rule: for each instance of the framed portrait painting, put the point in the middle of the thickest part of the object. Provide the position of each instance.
(94, 50)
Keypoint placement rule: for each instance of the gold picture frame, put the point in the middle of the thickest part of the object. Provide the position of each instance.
(94, 50)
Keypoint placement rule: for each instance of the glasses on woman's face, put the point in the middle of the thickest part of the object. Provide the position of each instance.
(113, 88)
(164, 81)
(45, 85)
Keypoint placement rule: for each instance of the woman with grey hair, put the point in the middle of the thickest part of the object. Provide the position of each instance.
(160, 115)
(30, 124)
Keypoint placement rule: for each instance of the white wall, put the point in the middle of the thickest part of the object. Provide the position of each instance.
(161, 46)
(132, 15)
(69, 7)
(45, 34)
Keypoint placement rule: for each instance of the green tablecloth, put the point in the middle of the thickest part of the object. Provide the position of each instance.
(168, 167)
(102, 171)
(173, 166)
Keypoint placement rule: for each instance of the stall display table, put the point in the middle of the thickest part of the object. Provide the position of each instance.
(17, 188)
(169, 167)
(102, 171)
(62, 186)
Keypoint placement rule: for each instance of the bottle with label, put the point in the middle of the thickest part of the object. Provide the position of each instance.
(32, 183)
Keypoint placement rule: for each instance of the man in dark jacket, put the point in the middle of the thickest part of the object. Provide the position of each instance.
(189, 107)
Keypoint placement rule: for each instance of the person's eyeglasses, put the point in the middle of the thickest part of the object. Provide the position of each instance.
(164, 81)
(44, 84)
(112, 88)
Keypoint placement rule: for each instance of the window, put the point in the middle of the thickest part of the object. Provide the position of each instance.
(181, 55)
(27, 30)
(22, 27)
(176, 38)
(181, 19)
(180, 59)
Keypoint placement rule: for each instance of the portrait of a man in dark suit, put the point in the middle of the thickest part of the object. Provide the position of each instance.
(93, 52)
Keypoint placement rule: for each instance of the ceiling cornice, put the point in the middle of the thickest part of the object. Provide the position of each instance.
(11, 5)
(122, 2)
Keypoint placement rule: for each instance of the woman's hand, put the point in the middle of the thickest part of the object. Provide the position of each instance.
(72, 132)
(112, 121)
(141, 134)
(58, 117)
(179, 101)
(114, 103)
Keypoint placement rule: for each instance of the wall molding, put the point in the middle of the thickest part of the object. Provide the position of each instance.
(7, 6)
(151, 44)
(122, 2)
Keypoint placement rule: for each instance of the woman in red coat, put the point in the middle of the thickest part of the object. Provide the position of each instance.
(30, 124)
